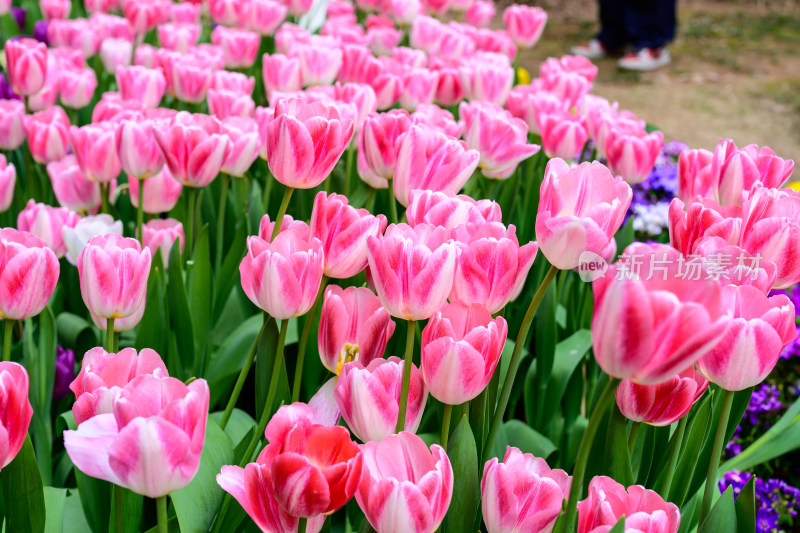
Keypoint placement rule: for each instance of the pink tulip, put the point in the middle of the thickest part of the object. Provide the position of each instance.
(71, 187)
(734, 266)
(488, 79)
(378, 145)
(438, 119)
(304, 142)
(428, 159)
(233, 81)
(281, 73)
(621, 122)
(191, 80)
(185, 13)
(48, 96)
(103, 375)
(12, 124)
(15, 410)
(319, 64)
(144, 15)
(223, 104)
(101, 6)
(194, 148)
(298, 228)
(461, 346)
(413, 269)
(26, 65)
(141, 84)
(702, 218)
(501, 139)
(449, 84)
(445, 209)
(112, 108)
(243, 140)
(113, 274)
(75, 239)
(28, 274)
(406, 487)
(580, 211)
(227, 12)
(116, 53)
(353, 325)
(608, 501)
(76, 87)
(266, 16)
(179, 37)
(96, 151)
(480, 13)
(161, 192)
(343, 231)
(282, 277)
(522, 493)
(760, 328)
(240, 46)
(655, 314)
(569, 87)
(736, 171)
(419, 87)
(55, 9)
(663, 403)
(633, 156)
(298, 7)
(524, 24)
(162, 233)
(151, 442)
(382, 40)
(46, 222)
(139, 153)
(695, 175)
(563, 135)
(8, 179)
(48, 134)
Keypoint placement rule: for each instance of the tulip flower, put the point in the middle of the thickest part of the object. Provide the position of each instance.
(438, 119)
(104, 375)
(26, 65)
(343, 232)
(243, 140)
(151, 441)
(55, 9)
(15, 410)
(96, 152)
(580, 211)
(120, 324)
(563, 134)
(116, 53)
(282, 277)
(608, 501)
(145, 85)
(695, 175)
(12, 124)
(194, 148)
(378, 145)
(734, 266)
(353, 325)
(501, 139)
(663, 403)
(406, 487)
(8, 179)
(735, 172)
(419, 87)
(113, 274)
(760, 328)
(655, 314)
(48, 134)
(413, 269)
(304, 142)
(524, 24)
(480, 13)
(180, 37)
(161, 192)
(223, 104)
(28, 274)
(75, 239)
(522, 493)
(233, 81)
(428, 159)
(227, 12)
(139, 154)
(281, 73)
(144, 15)
(489, 79)
(240, 46)
(633, 156)
(185, 13)
(46, 223)
(569, 87)
(446, 209)
(190, 80)
(48, 96)
(461, 346)
(298, 228)
(76, 87)
(162, 233)
(701, 219)
(266, 16)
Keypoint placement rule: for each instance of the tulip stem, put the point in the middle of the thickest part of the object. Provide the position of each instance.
(287, 195)
(301, 524)
(578, 472)
(223, 204)
(408, 359)
(118, 526)
(301, 348)
(635, 427)
(140, 212)
(104, 188)
(716, 451)
(513, 366)
(110, 335)
(448, 410)
(7, 339)
(237, 389)
(161, 509)
(673, 457)
(190, 212)
(351, 152)
(392, 204)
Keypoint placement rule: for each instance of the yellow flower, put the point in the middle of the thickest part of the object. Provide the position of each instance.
(523, 76)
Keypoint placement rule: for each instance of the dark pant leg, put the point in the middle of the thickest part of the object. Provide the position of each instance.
(650, 23)
(612, 24)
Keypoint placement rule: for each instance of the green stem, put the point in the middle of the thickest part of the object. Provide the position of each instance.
(409, 357)
(237, 389)
(223, 204)
(161, 510)
(7, 339)
(716, 451)
(190, 213)
(118, 526)
(673, 457)
(287, 195)
(392, 204)
(104, 188)
(365, 527)
(110, 335)
(635, 427)
(140, 212)
(269, 181)
(349, 163)
(448, 411)
(301, 348)
(513, 366)
(301, 524)
(578, 472)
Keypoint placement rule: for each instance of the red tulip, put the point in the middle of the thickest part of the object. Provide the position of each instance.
(15, 410)
(663, 403)
(28, 274)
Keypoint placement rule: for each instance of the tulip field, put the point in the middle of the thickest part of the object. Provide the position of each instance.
(300, 266)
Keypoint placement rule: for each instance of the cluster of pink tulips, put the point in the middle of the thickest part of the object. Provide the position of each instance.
(148, 160)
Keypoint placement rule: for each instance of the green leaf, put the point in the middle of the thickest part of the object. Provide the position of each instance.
(698, 430)
(265, 359)
(73, 519)
(23, 493)
(54, 501)
(240, 425)
(132, 505)
(722, 516)
(545, 337)
(618, 458)
(200, 291)
(619, 527)
(625, 236)
(196, 504)
(173, 526)
(8, 26)
(527, 439)
(463, 456)
(229, 359)
(77, 332)
(569, 354)
(179, 310)
(228, 275)
(153, 329)
(746, 508)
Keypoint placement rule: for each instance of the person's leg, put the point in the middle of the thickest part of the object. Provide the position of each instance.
(613, 33)
(650, 23)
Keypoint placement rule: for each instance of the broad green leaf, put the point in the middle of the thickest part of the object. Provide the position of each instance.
(23, 493)
(54, 501)
(77, 332)
(746, 508)
(466, 484)
(73, 519)
(265, 360)
(153, 329)
(200, 292)
(618, 459)
(569, 354)
(619, 527)
(722, 516)
(698, 431)
(179, 311)
(778, 440)
(545, 331)
(228, 274)
(197, 503)
(689, 513)
(240, 425)
(132, 505)
(625, 236)
(229, 359)
(527, 439)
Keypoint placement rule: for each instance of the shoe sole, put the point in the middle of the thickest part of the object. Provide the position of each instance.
(644, 68)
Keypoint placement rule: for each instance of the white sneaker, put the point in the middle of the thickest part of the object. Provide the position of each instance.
(645, 59)
(593, 49)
